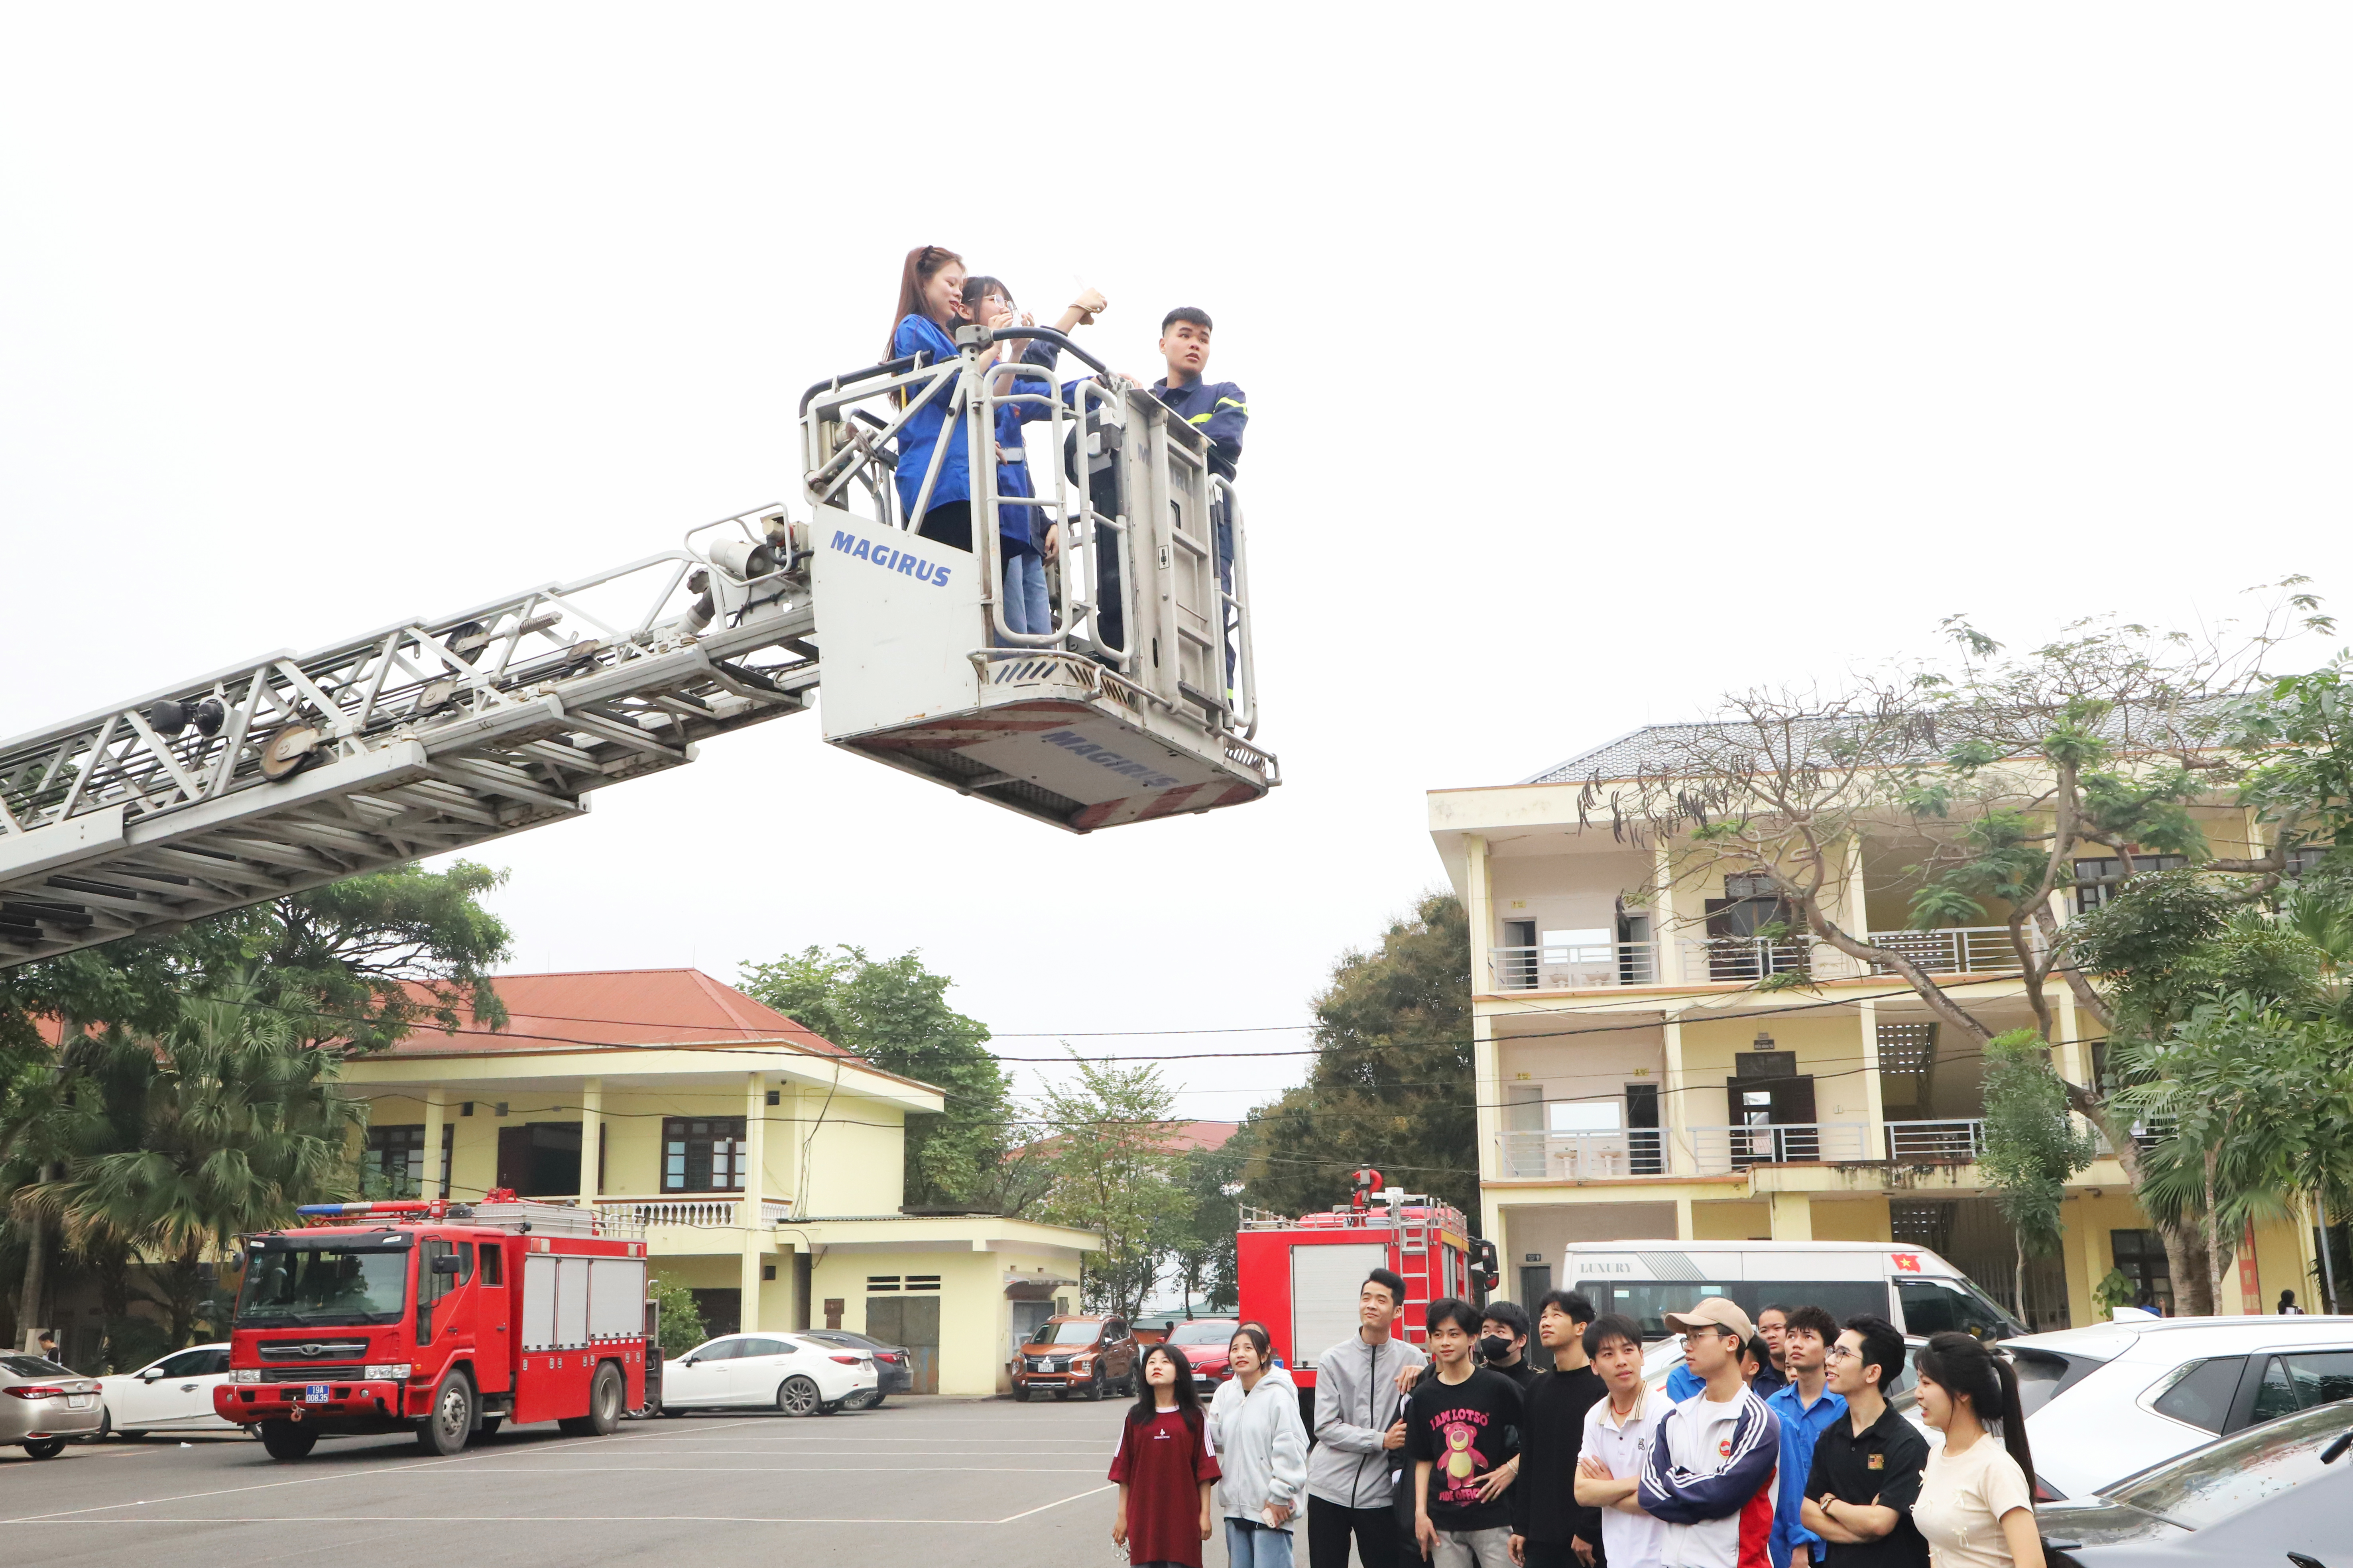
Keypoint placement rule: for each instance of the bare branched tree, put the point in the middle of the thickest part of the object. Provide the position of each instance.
(1996, 772)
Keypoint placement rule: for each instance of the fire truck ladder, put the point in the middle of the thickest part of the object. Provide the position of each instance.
(1413, 1248)
(422, 737)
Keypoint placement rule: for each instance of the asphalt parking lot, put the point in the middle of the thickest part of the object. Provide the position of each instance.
(933, 1482)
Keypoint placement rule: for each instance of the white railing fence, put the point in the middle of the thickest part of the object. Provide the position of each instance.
(1951, 950)
(1717, 958)
(1569, 968)
(1935, 1143)
(1573, 1156)
(1720, 1149)
(695, 1213)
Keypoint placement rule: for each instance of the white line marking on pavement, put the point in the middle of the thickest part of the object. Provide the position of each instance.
(801, 1471)
(509, 1519)
(1042, 1507)
(394, 1468)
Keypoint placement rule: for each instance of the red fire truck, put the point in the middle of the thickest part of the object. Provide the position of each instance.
(1301, 1276)
(435, 1318)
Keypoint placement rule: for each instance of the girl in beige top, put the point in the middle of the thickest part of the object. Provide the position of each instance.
(1977, 1496)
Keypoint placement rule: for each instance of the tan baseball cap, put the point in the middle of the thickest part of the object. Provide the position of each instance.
(1714, 1312)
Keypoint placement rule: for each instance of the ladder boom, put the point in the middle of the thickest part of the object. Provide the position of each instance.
(422, 737)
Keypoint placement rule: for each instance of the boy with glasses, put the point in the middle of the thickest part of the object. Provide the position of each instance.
(1710, 1474)
(1866, 1470)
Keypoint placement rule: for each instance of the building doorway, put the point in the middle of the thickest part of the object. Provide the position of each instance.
(1772, 1116)
(1517, 961)
(722, 1312)
(1536, 1278)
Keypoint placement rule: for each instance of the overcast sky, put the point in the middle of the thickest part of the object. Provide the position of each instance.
(1597, 361)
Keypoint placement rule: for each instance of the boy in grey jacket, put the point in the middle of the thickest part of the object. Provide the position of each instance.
(1360, 1434)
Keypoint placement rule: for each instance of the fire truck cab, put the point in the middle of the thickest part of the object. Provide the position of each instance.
(435, 1318)
(1301, 1276)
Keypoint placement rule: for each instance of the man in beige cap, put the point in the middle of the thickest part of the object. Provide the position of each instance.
(1710, 1474)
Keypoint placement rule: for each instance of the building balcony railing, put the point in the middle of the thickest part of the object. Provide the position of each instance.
(1935, 1143)
(715, 1211)
(1574, 1157)
(1719, 1150)
(1949, 950)
(1573, 967)
(1753, 958)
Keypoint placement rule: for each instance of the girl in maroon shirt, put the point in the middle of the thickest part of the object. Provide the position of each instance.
(1165, 1468)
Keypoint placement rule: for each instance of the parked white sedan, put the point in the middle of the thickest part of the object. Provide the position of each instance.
(798, 1377)
(171, 1395)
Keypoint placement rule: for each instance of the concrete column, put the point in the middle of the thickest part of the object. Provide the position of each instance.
(1683, 1219)
(1854, 911)
(1487, 1086)
(592, 1127)
(1856, 914)
(1662, 917)
(436, 1107)
(1487, 1065)
(1793, 1217)
(2070, 1052)
(1479, 911)
(1673, 1113)
(755, 1150)
(2084, 1270)
(1874, 1105)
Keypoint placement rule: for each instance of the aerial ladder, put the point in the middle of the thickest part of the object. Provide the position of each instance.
(437, 733)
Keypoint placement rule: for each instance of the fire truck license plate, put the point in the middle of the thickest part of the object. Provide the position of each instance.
(314, 1393)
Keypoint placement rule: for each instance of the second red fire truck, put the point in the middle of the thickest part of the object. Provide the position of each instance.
(1301, 1276)
(438, 1318)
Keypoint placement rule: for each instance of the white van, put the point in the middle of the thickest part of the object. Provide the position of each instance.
(1911, 1287)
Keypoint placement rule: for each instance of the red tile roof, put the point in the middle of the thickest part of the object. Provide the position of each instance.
(1176, 1137)
(1184, 1135)
(619, 1007)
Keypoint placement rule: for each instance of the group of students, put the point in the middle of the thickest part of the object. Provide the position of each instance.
(937, 296)
(1769, 1444)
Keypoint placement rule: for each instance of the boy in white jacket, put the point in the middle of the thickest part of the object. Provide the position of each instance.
(1261, 1447)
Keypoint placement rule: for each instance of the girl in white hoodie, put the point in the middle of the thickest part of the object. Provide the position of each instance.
(1262, 1447)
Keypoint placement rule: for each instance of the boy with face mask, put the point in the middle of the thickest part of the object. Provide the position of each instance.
(1504, 1342)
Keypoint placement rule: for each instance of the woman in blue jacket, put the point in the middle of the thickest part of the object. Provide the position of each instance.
(931, 305)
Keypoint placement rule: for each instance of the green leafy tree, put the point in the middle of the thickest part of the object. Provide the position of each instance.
(1113, 1174)
(2031, 1145)
(1201, 1237)
(221, 1126)
(682, 1319)
(1391, 1084)
(893, 1013)
(340, 969)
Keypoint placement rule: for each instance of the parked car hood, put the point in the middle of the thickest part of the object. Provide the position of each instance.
(2098, 1521)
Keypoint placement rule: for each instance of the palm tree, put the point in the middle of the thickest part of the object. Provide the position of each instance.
(238, 1121)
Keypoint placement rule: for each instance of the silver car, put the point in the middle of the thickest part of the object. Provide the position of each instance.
(42, 1405)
